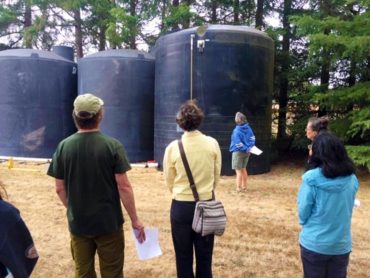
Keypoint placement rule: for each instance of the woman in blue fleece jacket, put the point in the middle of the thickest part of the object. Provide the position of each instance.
(325, 203)
(18, 254)
(242, 140)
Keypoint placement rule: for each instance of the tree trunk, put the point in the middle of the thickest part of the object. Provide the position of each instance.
(366, 73)
(214, 12)
(132, 40)
(78, 33)
(45, 37)
(324, 78)
(175, 26)
(351, 80)
(325, 7)
(186, 23)
(285, 64)
(102, 38)
(113, 44)
(27, 16)
(236, 12)
(259, 14)
(163, 13)
(28, 23)
(352, 74)
(325, 71)
(324, 74)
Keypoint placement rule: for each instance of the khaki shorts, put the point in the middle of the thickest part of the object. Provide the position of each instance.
(239, 160)
(110, 249)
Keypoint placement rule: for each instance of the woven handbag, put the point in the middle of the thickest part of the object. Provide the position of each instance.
(209, 216)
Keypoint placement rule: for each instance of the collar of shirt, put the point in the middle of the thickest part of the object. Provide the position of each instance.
(192, 133)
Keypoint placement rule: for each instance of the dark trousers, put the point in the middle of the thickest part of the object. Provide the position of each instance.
(185, 239)
(317, 265)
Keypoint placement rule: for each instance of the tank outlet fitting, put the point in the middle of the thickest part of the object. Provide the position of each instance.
(201, 45)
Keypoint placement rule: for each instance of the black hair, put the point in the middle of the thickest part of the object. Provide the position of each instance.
(329, 153)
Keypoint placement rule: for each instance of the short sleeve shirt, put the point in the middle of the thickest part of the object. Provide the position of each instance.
(88, 162)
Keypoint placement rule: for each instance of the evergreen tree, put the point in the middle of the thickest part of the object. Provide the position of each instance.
(342, 37)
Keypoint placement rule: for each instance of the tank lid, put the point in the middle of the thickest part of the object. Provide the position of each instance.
(203, 30)
(31, 54)
(234, 28)
(121, 53)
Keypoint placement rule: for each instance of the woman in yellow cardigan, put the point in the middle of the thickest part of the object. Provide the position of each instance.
(204, 157)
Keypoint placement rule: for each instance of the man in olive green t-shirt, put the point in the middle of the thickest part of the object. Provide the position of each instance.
(90, 178)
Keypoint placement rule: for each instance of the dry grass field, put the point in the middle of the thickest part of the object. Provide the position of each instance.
(261, 239)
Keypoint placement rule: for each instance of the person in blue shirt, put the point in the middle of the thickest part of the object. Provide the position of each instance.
(18, 255)
(325, 203)
(242, 140)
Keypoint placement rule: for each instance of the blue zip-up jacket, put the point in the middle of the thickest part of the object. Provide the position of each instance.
(17, 251)
(242, 139)
(325, 212)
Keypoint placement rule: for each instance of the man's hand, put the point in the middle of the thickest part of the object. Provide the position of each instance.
(140, 233)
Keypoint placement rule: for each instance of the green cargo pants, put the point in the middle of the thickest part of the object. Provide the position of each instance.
(110, 249)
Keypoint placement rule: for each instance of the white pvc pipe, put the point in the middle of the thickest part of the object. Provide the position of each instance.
(144, 165)
(48, 160)
(33, 159)
(191, 65)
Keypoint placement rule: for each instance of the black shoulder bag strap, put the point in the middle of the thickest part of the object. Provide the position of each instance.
(188, 171)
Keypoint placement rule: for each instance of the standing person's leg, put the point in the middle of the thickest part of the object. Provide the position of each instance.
(203, 254)
(236, 165)
(239, 179)
(244, 178)
(244, 170)
(111, 254)
(337, 266)
(182, 237)
(83, 250)
(314, 264)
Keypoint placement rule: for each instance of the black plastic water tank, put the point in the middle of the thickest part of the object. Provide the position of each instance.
(37, 89)
(124, 79)
(232, 70)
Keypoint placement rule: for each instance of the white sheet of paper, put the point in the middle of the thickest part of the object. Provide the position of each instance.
(150, 247)
(255, 150)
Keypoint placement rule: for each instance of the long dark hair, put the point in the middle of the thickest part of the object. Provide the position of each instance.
(329, 153)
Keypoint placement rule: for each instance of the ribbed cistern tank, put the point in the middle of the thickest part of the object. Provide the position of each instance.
(226, 69)
(37, 89)
(124, 79)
